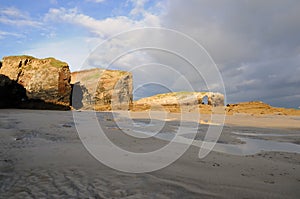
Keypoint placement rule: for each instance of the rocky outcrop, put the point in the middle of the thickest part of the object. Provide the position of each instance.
(47, 79)
(180, 101)
(186, 98)
(101, 89)
(258, 108)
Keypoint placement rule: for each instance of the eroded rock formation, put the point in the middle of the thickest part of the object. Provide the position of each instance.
(180, 101)
(101, 89)
(258, 108)
(187, 98)
(44, 79)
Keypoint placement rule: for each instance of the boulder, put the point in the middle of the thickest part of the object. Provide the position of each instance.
(101, 89)
(44, 79)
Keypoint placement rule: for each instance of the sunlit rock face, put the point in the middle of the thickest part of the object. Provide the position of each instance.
(184, 98)
(181, 101)
(101, 89)
(258, 108)
(44, 79)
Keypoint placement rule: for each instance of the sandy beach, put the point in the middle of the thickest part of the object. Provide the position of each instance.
(41, 156)
(141, 99)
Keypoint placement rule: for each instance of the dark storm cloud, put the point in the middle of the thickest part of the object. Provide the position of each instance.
(256, 44)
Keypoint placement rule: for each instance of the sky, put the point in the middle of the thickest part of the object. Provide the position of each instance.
(249, 50)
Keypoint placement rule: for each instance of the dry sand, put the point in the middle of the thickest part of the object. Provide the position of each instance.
(41, 156)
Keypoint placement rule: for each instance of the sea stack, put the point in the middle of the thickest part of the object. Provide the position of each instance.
(102, 90)
(46, 80)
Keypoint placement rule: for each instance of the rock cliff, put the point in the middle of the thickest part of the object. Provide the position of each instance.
(180, 101)
(188, 98)
(101, 89)
(44, 79)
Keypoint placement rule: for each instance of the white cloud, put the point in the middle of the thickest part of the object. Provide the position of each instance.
(4, 34)
(138, 7)
(19, 22)
(13, 12)
(15, 17)
(103, 28)
(76, 50)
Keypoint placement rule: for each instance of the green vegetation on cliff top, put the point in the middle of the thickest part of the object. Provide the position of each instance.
(56, 63)
(53, 62)
(19, 57)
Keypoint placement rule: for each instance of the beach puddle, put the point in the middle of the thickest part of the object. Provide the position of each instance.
(264, 134)
(249, 146)
(234, 140)
(253, 146)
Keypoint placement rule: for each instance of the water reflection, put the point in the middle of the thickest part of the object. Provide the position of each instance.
(248, 145)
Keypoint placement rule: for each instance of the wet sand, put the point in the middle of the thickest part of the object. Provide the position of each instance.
(41, 156)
